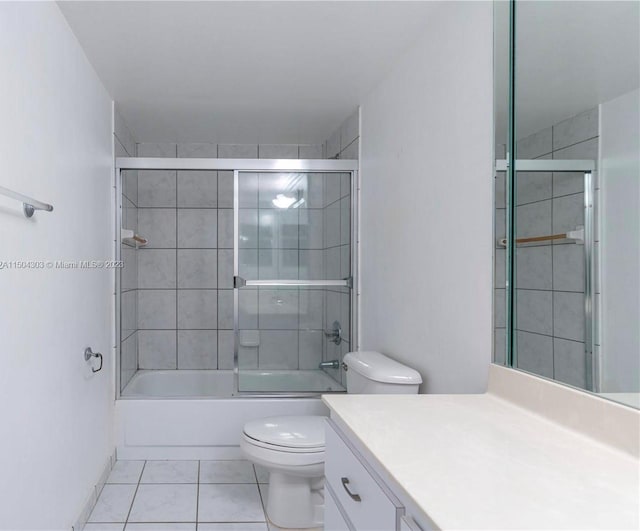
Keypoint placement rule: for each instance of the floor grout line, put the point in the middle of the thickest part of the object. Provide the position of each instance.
(134, 495)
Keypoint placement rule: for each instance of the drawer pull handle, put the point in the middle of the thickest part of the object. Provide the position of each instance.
(354, 497)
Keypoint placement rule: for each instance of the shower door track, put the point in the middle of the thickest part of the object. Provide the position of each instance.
(239, 166)
(587, 167)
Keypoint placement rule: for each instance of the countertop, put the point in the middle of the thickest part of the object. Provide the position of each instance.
(480, 462)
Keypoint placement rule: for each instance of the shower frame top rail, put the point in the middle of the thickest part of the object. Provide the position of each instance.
(29, 204)
(245, 165)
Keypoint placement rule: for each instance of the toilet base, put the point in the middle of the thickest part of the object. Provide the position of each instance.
(295, 501)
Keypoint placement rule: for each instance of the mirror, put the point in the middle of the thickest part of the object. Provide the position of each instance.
(567, 222)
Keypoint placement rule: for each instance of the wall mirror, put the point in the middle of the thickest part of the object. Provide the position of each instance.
(567, 193)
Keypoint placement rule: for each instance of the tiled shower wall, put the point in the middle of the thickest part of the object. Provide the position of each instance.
(185, 298)
(342, 144)
(550, 277)
(125, 146)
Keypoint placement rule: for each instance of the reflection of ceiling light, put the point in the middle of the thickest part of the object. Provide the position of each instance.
(283, 201)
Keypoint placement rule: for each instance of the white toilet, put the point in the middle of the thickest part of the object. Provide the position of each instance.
(292, 447)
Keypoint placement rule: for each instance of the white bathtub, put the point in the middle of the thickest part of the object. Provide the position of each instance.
(219, 384)
(193, 415)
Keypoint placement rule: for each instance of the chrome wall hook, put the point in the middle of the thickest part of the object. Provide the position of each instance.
(88, 354)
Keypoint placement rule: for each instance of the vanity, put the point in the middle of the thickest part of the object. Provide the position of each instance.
(529, 453)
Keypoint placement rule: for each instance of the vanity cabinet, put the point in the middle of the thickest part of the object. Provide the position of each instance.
(357, 498)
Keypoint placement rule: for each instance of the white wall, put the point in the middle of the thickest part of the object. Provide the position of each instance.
(620, 241)
(426, 200)
(55, 145)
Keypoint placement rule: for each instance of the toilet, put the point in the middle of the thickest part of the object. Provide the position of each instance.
(291, 448)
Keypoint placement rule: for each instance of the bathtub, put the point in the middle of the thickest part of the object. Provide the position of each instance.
(219, 384)
(192, 414)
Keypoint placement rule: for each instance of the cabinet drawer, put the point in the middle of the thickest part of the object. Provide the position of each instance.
(333, 518)
(367, 502)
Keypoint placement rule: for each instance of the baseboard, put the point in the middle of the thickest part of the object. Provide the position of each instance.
(179, 452)
(92, 498)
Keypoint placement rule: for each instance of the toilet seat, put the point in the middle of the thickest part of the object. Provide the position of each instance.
(299, 434)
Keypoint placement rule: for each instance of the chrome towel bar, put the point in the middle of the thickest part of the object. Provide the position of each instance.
(29, 205)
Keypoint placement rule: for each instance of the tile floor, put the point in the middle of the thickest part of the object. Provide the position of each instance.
(182, 496)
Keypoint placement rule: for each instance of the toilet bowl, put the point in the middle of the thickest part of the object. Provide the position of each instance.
(292, 448)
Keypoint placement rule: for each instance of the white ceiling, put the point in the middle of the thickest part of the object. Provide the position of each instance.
(570, 56)
(271, 72)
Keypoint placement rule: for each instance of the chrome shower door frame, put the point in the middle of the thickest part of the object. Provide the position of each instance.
(239, 166)
(587, 167)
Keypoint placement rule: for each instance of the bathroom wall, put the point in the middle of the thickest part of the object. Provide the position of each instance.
(185, 274)
(549, 278)
(125, 146)
(57, 146)
(426, 203)
(343, 143)
(620, 241)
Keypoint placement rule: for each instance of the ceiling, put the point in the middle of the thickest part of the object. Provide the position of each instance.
(570, 57)
(270, 72)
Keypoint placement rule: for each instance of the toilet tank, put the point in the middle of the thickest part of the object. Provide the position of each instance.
(370, 372)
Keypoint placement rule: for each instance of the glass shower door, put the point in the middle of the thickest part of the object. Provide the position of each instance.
(292, 266)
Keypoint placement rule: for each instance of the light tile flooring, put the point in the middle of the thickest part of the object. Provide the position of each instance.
(182, 496)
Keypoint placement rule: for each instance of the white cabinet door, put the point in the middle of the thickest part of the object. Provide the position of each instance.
(333, 519)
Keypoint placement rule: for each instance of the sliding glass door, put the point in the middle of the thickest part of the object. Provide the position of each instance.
(292, 280)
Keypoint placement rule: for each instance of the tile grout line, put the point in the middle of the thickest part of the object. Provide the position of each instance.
(134, 495)
(198, 497)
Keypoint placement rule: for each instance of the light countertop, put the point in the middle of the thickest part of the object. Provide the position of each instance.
(480, 462)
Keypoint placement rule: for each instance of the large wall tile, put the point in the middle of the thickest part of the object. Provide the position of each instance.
(225, 349)
(568, 267)
(535, 145)
(238, 151)
(535, 353)
(278, 151)
(197, 268)
(247, 228)
(197, 309)
(310, 349)
(157, 149)
(534, 267)
(332, 225)
(570, 362)
(568, 315)
(311, 264)
(225, 268)
(156, 309)
(573, 182)
(225, 228)
(278, 349)
(311, 309)
(157, 268)
(197, 349)
(499, 346)
(500, 268)
(225, 309)
(576, 129)
(158, 226)
(225, 189)
(197, 228)
(533, 186)
(345, 261)
(277, 228)
(198, 150)
(311, 228)
(345, 220)
(156, 188)
(129, 271)
(534, 220)
(278, 309)
(157, 349)
(128, 313)
(333, 145)
(248, 263)
(332, 188)
(278, 264)
(500, 190)
(499, 307)
(198, 189)
(314, 194)
(534, 311)
(130, 185)
(568, 213)
(248, 309)
(313, 151)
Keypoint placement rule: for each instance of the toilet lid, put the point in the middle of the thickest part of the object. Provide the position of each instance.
(290, 431)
